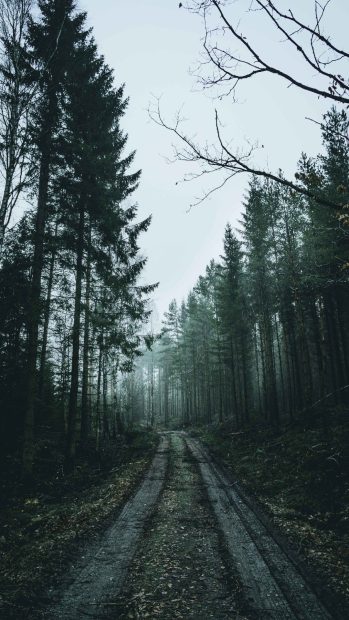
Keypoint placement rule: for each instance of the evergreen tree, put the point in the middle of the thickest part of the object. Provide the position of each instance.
(52, 39)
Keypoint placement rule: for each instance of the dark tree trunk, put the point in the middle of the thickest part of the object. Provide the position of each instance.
(85, 412)
(47, 315)
(98, 399)
(74, 385)
(34, 310)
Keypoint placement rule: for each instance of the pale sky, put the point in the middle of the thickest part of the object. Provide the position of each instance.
(152, 44)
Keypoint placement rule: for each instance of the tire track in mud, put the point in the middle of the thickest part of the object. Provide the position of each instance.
(181, 568)
(99, 574)
(273, 586)
(182, 565)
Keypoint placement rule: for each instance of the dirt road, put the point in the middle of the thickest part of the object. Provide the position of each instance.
(187, 545)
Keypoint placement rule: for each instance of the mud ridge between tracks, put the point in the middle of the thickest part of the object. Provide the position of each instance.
(181, 568)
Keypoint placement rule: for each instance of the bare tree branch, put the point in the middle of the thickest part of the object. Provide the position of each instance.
(17, 99)
(220, 61)
(223, 161)
(234, 58)
(13, 104)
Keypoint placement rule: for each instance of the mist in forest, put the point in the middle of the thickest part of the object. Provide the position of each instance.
(174, 293)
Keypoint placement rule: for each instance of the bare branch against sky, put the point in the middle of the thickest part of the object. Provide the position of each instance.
(266, 112)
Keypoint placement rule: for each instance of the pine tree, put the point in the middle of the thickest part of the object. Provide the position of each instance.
(52, 40)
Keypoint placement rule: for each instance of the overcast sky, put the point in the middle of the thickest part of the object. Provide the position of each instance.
(152, 44)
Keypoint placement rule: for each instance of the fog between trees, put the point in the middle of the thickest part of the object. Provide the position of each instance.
(262, 337)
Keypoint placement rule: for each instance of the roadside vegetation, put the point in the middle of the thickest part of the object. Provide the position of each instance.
(73, 312)
(300, 476)
(43, 527)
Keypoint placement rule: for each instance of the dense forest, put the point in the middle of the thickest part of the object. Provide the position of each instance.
(194, 465)
(263, 337)
(72, 308)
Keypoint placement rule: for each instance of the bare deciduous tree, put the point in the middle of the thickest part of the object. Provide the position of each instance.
(235, 57)
(232, 57)
(14, 103)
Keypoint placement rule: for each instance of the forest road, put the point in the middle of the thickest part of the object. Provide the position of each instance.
(271, 582)
(101, 571)
(186, 546)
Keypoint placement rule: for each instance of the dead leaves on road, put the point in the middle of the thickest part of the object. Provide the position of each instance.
(179, 573)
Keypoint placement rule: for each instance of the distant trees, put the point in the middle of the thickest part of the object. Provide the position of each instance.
(264, 334)
(77, 307)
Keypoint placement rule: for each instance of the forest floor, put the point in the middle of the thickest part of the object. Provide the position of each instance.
(300, 479)
(44, 526)
(174, 536)
(185, 545)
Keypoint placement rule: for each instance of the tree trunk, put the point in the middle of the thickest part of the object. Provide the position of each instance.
(34, 310)
(74, 385)
(85, 413)
(47, 319)
(98, 400)
(106, 426)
